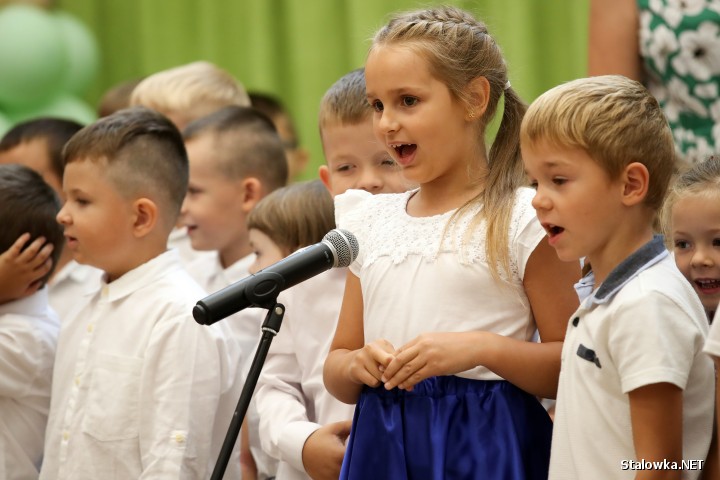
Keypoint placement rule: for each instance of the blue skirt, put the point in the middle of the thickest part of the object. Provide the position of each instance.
(448, 428)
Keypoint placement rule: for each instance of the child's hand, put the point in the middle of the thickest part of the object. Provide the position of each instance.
(21, 270)
(369, 363)
(323, 452)
(428, 355)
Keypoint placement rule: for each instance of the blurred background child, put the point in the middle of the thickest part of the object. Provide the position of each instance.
(184, 94)
(188, 92)
(691, 221)
(28, 326)
(38, 144)
(297, 155)
(236, 158)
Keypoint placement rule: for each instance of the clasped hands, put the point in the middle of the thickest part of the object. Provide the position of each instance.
(427, 355)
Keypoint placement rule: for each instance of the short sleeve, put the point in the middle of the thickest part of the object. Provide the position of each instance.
(350, 216)
(712, 344)
(653, 340)
(525, 229)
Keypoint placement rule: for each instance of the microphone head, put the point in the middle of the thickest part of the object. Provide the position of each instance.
(345, 245)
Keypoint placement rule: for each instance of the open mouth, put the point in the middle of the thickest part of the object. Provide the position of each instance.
(405, 150)
(553, 230)
(708, 285)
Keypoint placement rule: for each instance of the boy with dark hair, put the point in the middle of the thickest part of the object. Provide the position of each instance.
(28, 326)
(277, 112)
(138, 386)
(38, 144)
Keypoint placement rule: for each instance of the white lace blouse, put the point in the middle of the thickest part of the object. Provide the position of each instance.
(419, 276)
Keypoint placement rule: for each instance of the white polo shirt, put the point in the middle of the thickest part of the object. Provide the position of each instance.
(643, 325)
(712, 344)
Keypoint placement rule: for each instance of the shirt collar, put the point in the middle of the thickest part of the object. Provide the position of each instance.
(141, 276)
(237, 271)
(32, 305)
(74, 271)
(643, 258)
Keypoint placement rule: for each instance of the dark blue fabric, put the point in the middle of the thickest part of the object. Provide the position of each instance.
(448, 428)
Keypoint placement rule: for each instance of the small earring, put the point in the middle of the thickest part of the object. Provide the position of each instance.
(471, 115)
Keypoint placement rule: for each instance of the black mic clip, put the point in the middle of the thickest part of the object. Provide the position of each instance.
(262, 289)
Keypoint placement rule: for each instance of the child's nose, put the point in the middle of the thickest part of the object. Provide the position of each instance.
(63, 217)
(540, 201)
(701, 257)
(369, 181)
(386, 123)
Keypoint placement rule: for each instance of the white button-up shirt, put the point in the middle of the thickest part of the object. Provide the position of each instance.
(69, 285)
(28, 336)
(291, 399)
(138, 382)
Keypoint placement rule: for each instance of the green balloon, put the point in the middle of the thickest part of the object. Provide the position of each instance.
(64, 105)
(83, 55)
(33, 57)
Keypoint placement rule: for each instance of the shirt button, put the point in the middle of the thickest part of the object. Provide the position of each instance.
(90, 328)
(179, 438)
(77, 381)
(66, 436)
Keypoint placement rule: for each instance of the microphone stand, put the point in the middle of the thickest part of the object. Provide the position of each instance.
(270, 328)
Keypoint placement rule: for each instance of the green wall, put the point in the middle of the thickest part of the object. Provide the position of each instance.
(296, 49)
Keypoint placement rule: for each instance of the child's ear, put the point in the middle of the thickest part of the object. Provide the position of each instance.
(324, 174)
(146, 216)
(479, 90)
(636, 181)
(251, 191)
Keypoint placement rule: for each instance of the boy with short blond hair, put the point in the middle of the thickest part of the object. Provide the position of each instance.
(28, 327)
(633, 375)
(188, 92)
(138, 386)
(353, 156)
(301, 424)
(184, 94)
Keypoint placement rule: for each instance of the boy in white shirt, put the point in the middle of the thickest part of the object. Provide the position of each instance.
(633, 376)
(236, 158)
(301, 424)
(138, 386)
(183, 94)
(38, 144)
(28, 327)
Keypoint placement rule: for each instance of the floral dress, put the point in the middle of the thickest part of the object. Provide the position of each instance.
(680, 49)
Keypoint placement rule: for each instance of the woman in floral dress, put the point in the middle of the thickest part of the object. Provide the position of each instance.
(673, 47)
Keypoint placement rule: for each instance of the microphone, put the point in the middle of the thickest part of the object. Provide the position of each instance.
(338, 248)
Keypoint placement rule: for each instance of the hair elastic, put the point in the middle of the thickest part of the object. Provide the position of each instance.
(507, 84)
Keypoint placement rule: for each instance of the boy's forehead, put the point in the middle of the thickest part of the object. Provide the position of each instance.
(31, 153)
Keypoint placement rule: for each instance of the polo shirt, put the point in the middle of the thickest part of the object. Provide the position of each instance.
(643, 325)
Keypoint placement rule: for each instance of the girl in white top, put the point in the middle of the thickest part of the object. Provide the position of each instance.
(691, 221)
(434, 335)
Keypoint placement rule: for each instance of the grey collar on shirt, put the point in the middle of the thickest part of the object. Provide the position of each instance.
(643, 258)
